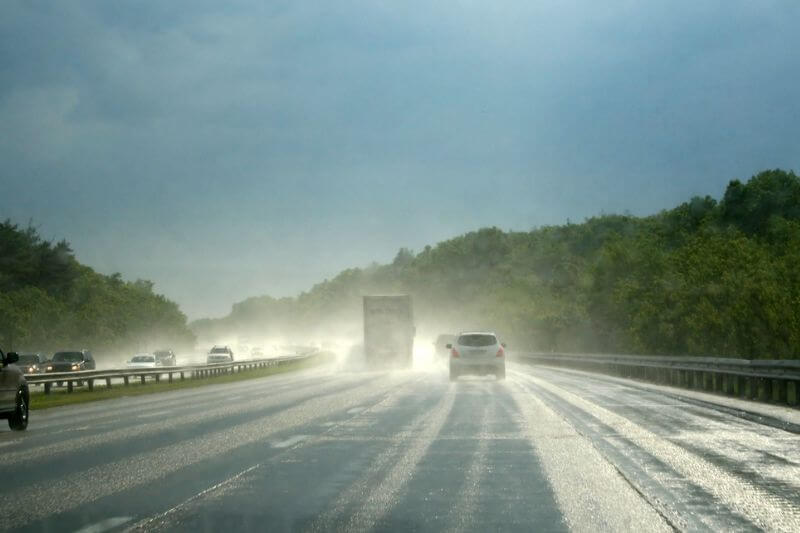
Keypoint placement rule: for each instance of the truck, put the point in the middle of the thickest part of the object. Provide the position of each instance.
(388, 331)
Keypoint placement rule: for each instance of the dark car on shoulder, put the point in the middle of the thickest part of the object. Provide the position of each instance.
(32, 362)
(165, 357)
(14, 396)
(71, 361)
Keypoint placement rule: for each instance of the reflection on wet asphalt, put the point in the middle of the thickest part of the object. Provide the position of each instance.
(544, 450)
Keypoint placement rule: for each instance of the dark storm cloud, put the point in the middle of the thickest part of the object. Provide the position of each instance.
(229, 149)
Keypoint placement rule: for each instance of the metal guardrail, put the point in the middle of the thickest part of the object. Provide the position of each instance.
(183, 372)
(776, 381)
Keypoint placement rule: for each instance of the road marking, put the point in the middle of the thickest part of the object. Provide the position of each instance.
(765, 510)
(160, 519)
(105, 525)
(155, 414)
(374, 502)
(355, 410)
(291, 441)
(148, 466)
(462, 514)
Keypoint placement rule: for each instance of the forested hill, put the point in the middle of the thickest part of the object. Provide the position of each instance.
(49, 301)
(709, 277)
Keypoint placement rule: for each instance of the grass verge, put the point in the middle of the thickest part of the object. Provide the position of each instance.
(60, 396)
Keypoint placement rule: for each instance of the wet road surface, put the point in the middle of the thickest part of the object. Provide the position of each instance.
(545, 450)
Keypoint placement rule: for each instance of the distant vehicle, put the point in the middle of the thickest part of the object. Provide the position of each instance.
(441, 344)
(388, 330)
(165, 357)
(256, 352)
(32, 363)
(14, 396)
(143, 360)
(72, 361)
(220, 354)
(477, 352)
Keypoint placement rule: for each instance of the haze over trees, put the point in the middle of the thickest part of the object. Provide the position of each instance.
(708, 277)
(49, 301)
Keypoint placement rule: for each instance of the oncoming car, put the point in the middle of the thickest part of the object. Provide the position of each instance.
(165, 357)
(71, 361)
(143, 360)
(32, 363)
(220, 354)
(477, 352)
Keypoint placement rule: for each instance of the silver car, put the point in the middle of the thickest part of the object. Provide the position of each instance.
(477, 352)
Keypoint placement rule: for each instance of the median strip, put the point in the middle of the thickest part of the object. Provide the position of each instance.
(61, 396)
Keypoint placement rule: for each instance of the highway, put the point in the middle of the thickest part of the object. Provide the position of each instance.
(324, 450)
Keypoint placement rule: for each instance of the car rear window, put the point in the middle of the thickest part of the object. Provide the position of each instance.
(143, 359)
(477, 340)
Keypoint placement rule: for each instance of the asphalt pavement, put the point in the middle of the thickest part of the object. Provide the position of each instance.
(324, 450)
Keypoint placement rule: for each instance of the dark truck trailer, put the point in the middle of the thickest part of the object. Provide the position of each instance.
(388, 330)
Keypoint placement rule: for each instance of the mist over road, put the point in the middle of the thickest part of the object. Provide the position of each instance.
(321, 450)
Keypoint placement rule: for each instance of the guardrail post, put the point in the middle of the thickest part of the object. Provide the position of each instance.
(791, 393)
(69, 386)
(108, 383)
(778, 391)
(90, 383)
(47, 388)
(125, 380)
(727, 384)
(763, 388)
(750, 387)
(170, 376)
(142, 378)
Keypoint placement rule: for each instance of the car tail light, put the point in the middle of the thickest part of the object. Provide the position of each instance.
(453, 352)
(500, 352)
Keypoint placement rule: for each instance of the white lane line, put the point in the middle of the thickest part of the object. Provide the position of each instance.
(462, 514)
(355, 410)
(375, 502)
(766, 510)
(32, 452)
(146, 467)
(591, 493)
(105, 525)
(162, 520)
(291, 441)
(154, 414)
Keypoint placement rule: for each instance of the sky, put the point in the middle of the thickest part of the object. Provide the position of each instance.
(233, 149)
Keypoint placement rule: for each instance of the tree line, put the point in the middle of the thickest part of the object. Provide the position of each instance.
(49, 301)
(709, 277)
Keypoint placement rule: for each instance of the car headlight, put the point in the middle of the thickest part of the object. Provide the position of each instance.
(74, 367)
(49, 368)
